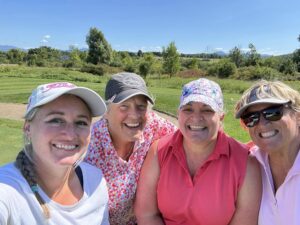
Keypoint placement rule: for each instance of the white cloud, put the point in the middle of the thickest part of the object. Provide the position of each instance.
(47, 36)
(44, 41)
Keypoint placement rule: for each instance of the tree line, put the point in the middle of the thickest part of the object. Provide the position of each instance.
(99, 58)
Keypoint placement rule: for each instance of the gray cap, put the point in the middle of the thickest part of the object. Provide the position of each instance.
(123, 86)
(257, 98)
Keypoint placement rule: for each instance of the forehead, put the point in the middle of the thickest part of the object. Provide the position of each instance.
(196, 104)
(67, 102)
(137, 98)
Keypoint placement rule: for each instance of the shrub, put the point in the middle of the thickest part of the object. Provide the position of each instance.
(256, 72)
(93, 69)
(191, 73)
(222, 69)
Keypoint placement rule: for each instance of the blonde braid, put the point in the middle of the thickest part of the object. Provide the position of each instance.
(27, 169)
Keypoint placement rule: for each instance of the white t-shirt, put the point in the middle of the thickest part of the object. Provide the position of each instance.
(19, 206)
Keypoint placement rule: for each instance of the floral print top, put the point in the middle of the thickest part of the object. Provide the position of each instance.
(122, 176)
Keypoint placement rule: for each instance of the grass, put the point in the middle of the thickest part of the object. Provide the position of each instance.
(11, 139)
(17, 82)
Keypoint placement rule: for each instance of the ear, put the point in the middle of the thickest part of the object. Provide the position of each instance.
(298, 119)
(26, 128)
(222, 116)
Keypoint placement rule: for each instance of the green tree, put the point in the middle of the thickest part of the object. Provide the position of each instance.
(99, 49)
(296, 58)
(236, 56)
(43, 56)
(74, 59)
(140, 53)
(15, 56)
(252, 56)
(171, 59)
(146, 65)
(128, 63)
(287, 66)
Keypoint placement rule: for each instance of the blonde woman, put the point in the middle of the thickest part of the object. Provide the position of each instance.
(48, 183)
(270, 110)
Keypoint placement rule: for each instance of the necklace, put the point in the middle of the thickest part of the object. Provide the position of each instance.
(128, 154)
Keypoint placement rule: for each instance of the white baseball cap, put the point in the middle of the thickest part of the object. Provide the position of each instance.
(46, 93)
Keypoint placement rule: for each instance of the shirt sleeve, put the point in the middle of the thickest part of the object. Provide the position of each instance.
(4, 212)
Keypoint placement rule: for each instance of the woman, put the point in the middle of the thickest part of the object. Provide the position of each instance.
(47, 184)
(121, 139)
(270, 110)
(198, 175)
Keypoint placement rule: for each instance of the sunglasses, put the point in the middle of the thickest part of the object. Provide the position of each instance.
(273, 113)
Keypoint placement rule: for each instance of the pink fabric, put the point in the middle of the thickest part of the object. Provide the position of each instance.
(121, 176)
(209, 198)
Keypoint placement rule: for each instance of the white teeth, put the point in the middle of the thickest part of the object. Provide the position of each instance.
(194, 127)
(65, 147)
(132, 125)
(268, 134)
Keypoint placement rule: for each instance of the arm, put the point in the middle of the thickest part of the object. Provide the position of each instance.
(249, 196)
(145, 207)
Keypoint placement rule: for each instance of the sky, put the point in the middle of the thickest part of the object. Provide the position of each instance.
(196, 26)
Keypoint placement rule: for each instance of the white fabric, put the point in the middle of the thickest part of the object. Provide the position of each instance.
(18, 205)
(283, 207)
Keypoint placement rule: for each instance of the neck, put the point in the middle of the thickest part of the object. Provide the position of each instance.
(281, 162)
(197, 154)
(124, 150)
(63, 187)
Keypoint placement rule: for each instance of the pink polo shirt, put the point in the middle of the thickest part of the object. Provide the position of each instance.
(209, 198)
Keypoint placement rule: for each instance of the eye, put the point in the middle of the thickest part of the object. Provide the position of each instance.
(55, 121)
(123, 107)
(208, 111)
(142, 107)
(186, 109)
(82, 123)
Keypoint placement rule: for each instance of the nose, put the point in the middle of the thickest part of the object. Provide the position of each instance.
(135, 112)
(262, 120)
(69, 131)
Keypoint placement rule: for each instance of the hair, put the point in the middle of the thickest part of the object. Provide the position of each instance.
(25, 164)
(276, 89)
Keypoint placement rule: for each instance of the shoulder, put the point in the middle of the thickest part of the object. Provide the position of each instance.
(12, 183)
(90, 170)
(92, 177)
(153, 117)
(236, 147)
(158, 126)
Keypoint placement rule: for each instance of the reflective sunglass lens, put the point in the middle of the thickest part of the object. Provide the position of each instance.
(273, 114)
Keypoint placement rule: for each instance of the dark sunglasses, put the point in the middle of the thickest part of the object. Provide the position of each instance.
(272, 113)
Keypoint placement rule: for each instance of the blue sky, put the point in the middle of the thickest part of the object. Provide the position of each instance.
(195, 26)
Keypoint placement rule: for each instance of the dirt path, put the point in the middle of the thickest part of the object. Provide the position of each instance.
(16, 112)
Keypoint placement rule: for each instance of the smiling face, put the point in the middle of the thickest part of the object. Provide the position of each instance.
(126, 120)
(59, 132)
(199, 123)
(275, 136)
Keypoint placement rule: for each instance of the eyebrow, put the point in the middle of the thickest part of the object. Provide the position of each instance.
(62, 113)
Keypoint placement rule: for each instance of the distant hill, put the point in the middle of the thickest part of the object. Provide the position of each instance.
(6, 48)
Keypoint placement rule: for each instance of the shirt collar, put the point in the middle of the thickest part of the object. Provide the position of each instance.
(221, 147)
